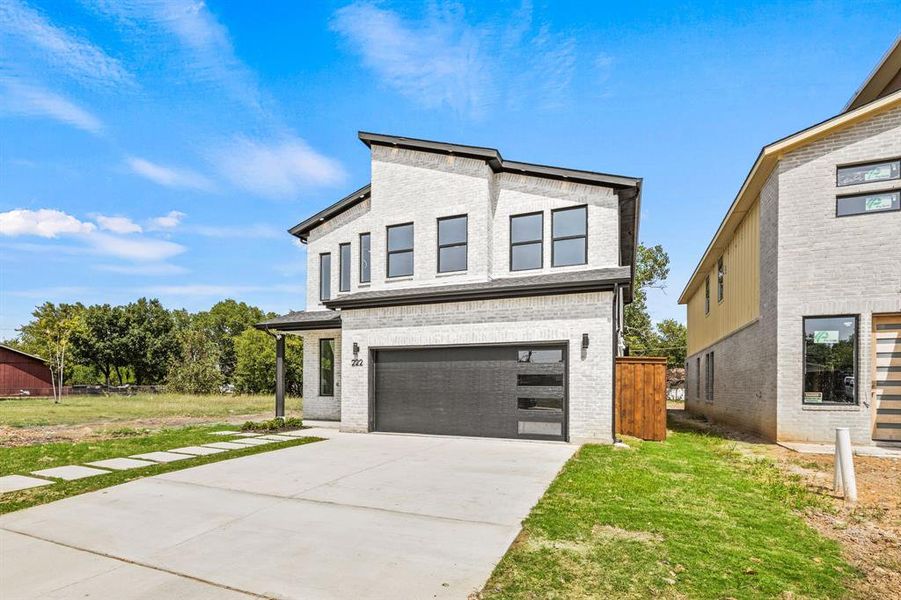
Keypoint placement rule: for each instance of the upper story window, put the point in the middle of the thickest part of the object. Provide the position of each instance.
(526, 241)
(862, 204)
(344, 267)
(365, 255)
(720, 280)
(325, 276)
(707, 295)
(400, 250)
(452, 244)
(868, 173)
(570, 236)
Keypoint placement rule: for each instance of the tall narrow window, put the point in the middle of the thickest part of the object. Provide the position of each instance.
(707, 295)
(452, 244)
(720, 280)
(570, 236)
(709, 383)
(830, 360)
(400, 250)
(526, 241)
(365, 253)
(698, 378)
(325, 276)
(344, 268)
(326, 367)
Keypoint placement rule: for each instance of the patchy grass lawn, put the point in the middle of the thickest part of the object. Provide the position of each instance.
(78, 410)
(24, 459)
(685, 518)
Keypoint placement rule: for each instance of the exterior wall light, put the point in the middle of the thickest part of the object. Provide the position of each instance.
(356, 348)
(584, 341)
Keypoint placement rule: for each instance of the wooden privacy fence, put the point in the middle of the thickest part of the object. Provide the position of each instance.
(641, 397)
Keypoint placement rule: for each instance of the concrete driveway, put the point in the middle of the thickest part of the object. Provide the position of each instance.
(356, 516)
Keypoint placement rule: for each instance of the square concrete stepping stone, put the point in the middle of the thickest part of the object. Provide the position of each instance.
(226, 446)
(223, 432)
(161, 457)
(121, 464)
(14, 483)
(247, 434)
(275, 437)
(197, 450)
(297, 433)
(70, 472)
(253, 441)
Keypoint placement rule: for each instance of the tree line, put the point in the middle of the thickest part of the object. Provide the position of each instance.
(143, 343)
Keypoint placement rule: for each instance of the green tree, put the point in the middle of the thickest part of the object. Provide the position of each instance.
(255, 363)
(150, 341)
(50, 334)
(195, 367)
(670, 341)
(100, 343)
(651, 271)
(225, 321)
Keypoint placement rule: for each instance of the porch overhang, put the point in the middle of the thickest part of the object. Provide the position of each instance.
(302, 321)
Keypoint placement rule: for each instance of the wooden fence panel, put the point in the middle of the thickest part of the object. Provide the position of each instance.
(641, 397)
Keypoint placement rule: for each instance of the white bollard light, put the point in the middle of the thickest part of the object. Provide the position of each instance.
(845, 479)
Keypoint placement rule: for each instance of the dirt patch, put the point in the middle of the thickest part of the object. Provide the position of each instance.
(26, 436)
(610, 532)
(869, 532)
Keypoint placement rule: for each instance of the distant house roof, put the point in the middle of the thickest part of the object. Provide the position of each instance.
(17, 351)
(569, 282)
(303, 320)
(883, 80)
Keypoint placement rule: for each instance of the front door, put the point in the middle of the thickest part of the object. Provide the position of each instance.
(887, 377)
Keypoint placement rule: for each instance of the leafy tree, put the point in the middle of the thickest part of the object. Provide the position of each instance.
(651, 271)
(195, 367)
(100, 343)
(150, 341)
(255, 363)
(670, 341)
(225, 321)
(50, 335)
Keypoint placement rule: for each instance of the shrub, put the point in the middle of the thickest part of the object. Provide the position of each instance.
(273, 424)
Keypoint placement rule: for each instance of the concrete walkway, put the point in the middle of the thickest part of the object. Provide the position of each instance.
(356, 516)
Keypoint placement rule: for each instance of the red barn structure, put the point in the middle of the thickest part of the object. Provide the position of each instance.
(23, 374)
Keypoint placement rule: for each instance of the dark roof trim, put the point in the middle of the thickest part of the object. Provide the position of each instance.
(435, 296)
(17, 351)
(302, 321)
(497, 162)
(874, 87)
(303, 228)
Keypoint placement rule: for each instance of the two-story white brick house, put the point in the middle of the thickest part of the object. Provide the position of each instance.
(462, 293)
(794, 311)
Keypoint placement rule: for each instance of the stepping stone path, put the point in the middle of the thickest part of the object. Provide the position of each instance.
(253, 441)
(277, 438)
(161, 457)
(226, 446)
(14, 483)
(197, 450)
(121, 464)
(70, 472)
(246, 434)
(226, 432)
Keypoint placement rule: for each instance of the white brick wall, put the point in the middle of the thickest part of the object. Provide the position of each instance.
(547, 318)
(315, 406)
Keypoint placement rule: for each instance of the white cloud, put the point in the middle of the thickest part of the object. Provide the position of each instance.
(117, 224)
(19, 98)
(135, 249)
(75, 56)
(258, 230)
(278, 170)
(168, 176)
(170, 220)
(47, 223)
(435, 62)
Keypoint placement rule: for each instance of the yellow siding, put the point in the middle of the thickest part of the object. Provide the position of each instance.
(741, 300)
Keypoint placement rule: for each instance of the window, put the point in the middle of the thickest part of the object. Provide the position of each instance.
(326, 367)
(707, 295)
(708, 383)
(452, 243)
(344, 267)
(698, 378)
(540, 356)
(325, 276)
(526, 241)
(569, 228)
(830, 360)
(545, 404)
(400, 250)
(868, 173)
(365, 253)
(862, 204)
(720, 279)
(540, 379)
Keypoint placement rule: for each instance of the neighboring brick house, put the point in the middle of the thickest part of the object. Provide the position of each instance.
(794, 311)
(461, 293)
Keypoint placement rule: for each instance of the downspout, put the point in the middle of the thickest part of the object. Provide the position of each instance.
(615, 324)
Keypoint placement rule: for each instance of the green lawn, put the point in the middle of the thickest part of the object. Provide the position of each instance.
(75, 410)
(685, 518)
(24, 459)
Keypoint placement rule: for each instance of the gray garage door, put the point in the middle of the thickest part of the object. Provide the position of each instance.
(489, 391)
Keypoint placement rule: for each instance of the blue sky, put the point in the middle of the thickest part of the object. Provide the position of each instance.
(161, 148)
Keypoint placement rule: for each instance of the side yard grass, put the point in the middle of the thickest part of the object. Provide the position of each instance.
(685, 518)
(22, 460)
